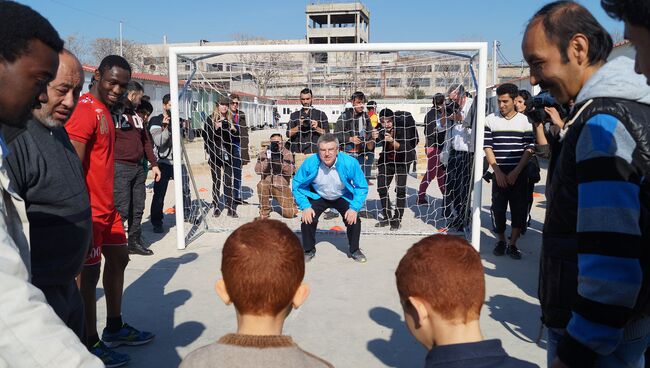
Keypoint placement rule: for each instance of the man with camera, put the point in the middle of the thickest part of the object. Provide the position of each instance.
(161, 134)
(353, 130)
(508, 146)
(398, 142)
(435, 126)
(594, 287)
(275, 165)
(305, 127)
(461, 155)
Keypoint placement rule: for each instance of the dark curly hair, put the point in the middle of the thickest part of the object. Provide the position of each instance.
(20, 24)
(636, 12)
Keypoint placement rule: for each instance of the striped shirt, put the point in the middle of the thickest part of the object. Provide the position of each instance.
(508, 139)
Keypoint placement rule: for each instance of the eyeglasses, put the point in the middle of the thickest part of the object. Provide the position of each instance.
(234, 103)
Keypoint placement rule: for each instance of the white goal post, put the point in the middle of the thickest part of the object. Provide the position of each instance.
(201, 52)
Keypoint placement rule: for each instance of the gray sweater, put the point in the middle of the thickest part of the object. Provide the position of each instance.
(244, 351)
(46, 172)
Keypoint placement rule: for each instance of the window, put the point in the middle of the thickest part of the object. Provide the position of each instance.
(394, 82)
(418, 69)
(419, 82)
(448, 68)
(373, 82)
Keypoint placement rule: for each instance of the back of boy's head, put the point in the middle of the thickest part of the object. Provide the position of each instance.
(262, 266)
(446, 273)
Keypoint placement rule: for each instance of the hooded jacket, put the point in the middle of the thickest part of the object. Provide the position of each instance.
(594, 273)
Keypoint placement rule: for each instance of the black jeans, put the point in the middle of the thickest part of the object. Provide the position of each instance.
(459, 170)
(217, 168)
(388, 170)
(515, 195)
(67, 304)
(319, 206)
(129, 195)
(160, 189)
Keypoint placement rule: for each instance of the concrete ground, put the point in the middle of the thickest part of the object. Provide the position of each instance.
(352, 318)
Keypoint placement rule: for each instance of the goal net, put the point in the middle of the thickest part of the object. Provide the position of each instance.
(251, 114)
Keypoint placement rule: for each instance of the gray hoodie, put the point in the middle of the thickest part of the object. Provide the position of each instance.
(616, 79)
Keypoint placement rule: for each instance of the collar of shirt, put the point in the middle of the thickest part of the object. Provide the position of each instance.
(441, 356)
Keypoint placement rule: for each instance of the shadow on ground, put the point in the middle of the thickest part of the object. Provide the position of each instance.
(400, 349)
(147, 306)
(517, 317)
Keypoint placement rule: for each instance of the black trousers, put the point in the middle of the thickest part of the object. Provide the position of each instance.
(515, 195)
(67, 304)
(160, 189)
(218, 168)
(388, 171)
(459, 170)
(129, 195)
(319, 206)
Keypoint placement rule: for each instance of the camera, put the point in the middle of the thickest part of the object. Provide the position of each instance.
(536, 104)
(274, 147)
(225, 124)
(451, 108)
(306, 119)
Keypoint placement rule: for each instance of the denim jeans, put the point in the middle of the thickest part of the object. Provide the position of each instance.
(628, 354)
(236, 166)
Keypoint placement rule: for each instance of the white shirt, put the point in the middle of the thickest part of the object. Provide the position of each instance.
(461, 136)
(328, 183)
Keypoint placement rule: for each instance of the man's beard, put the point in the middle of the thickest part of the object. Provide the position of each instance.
(46, 119)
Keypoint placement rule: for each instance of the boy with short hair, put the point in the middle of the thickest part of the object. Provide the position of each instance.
(263, 267)
(441, 287)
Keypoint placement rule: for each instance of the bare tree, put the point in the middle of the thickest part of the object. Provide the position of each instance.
(264, 69)
(133, 52)
(78, 45)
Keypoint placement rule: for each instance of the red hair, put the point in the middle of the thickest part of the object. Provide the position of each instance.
(446, 273)
(262, 266)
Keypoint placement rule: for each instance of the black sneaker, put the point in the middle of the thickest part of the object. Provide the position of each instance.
(158, 229)
(138, 248)
(395, 224)
(330, 215)
(232, 213)
(513, 252)
(358, 256)
(499, 249)
(382, 223)
(309, 255)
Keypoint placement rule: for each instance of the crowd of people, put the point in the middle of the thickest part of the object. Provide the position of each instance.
(72, 172)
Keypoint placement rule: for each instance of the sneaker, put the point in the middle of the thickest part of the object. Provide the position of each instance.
(382, 223)
(358, 256)
(158, 229)
(109, 357)
(422, 201)
(330, 215)
(127, 335)
(138, 248)
(499, 249)
(309, 255)
(513, 252)
(395, 224)
(232, 213)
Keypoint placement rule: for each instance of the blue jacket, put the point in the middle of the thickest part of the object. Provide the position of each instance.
(349, 170)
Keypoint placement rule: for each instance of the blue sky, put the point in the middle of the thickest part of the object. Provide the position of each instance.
(390, 21)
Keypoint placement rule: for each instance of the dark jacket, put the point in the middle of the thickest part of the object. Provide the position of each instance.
(132, 141)
(305, 141)
(405, 133)
(45, 171)
(242, 137)
(347, 126)
(482, 354)
(218, 143)
(434, 135)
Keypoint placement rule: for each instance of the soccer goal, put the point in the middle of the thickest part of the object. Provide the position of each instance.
(220, 142)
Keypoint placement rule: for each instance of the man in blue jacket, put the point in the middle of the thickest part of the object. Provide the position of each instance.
(330, 179)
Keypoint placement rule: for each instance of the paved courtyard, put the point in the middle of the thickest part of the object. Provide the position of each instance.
(352, 318)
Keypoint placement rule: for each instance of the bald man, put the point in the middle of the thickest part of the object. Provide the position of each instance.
(45, 171)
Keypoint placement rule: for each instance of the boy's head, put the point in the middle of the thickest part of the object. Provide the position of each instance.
(263, 266)
(440, 282)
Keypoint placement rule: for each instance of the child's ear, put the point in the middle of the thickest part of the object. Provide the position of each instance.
(299, 297)
(220, 286)
(420, 309)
